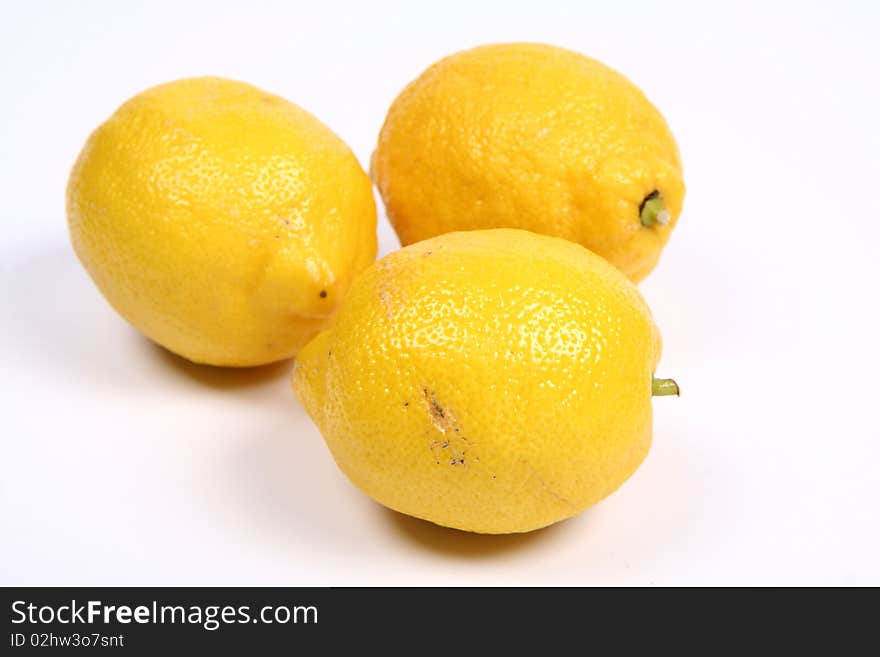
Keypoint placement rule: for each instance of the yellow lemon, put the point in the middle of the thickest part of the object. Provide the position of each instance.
(536, 137)
(225, 223)
(493, 381)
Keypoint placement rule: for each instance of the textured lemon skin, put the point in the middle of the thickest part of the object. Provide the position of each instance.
(535, 137)
(223, 222)
(493, 381)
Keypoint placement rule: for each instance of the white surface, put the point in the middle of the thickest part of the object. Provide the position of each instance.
(122, 464)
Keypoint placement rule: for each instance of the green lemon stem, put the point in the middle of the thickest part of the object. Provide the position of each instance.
(664, 388)
(653, 211)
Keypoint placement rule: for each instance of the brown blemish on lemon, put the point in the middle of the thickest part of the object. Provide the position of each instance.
(452, 446)
(440, 418)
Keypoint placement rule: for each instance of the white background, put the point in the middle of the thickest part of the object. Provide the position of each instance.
(122, 464)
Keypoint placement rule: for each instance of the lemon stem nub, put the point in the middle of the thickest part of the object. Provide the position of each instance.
(664, 388)
(653, 211)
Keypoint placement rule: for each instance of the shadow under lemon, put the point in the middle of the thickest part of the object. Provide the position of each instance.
(469, 545)
(219, 378)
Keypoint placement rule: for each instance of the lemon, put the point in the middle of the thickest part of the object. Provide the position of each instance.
(536, 137)
(225, 223)
(493, 381)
